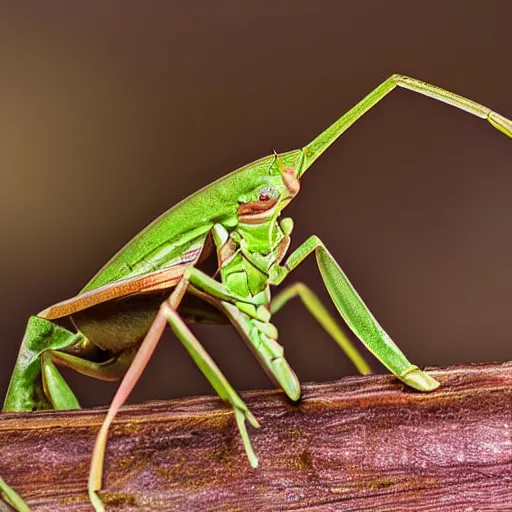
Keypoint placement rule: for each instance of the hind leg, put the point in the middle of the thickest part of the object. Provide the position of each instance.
(167, 314)
(36, 383)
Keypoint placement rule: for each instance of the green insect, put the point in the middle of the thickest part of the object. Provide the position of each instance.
(160, 278)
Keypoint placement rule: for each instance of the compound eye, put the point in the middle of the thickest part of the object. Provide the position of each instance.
(267, 198)
(267, 193)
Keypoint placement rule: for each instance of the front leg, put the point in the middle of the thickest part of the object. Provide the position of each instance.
(252, 306)
(355, 313)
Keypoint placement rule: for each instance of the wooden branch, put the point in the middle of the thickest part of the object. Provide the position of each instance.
(357, 444)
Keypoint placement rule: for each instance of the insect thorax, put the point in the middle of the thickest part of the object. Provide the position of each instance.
(247, 253)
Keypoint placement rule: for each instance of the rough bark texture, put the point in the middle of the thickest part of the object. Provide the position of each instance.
(357, 444)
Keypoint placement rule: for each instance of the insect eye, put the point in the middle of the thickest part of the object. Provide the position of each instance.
(267, 193)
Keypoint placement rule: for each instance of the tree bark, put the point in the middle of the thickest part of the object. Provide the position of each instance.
(357, 444)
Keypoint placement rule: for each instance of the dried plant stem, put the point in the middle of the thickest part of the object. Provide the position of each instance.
(357, 444)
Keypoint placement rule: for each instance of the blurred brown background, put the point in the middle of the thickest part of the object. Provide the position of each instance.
(111, 112)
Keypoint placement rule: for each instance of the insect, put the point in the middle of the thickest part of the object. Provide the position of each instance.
(160, 277)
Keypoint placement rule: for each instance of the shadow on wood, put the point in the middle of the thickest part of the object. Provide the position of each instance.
(357, 444)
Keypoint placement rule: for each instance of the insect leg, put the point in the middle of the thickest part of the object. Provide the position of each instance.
(131, 377)
(167, 313)
(215, 377)
(355, 313)
(324, 318)
(315, 148)
(261, 338)
(12, 497)
(40, 335)
(252, 306)
(57, 389)
(207, 284)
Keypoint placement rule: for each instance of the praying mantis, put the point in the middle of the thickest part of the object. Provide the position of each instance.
(159, 279)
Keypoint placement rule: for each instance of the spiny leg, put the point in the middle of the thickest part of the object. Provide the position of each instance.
(252, 306)
(314, 149)
(251, 318)
(355, 313)
(261, 338)
(167, 313)
(324, 318)
(207, 284)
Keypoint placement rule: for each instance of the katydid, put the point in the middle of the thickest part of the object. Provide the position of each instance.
(158, 278)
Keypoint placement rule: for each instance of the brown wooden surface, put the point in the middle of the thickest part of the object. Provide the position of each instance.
(357, 444)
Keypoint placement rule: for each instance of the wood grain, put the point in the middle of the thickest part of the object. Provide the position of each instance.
(357, 444)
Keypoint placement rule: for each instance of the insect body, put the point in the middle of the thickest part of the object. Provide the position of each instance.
(158, 278)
